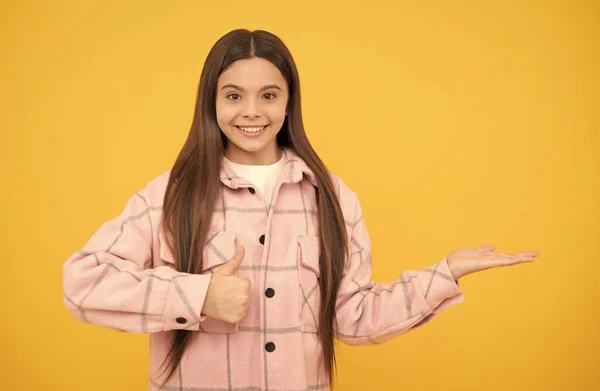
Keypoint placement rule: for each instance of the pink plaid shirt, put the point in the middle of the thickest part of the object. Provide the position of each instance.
(124, 278)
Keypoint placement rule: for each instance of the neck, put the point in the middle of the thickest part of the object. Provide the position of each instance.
(264, 157)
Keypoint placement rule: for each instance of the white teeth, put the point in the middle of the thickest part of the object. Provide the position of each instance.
(252, 129)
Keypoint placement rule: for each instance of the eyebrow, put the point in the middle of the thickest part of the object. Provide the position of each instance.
(243, 90)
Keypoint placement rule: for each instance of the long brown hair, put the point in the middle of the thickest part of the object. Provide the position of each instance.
(194, 182)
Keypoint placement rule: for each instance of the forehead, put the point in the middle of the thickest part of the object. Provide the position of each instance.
(252, 73)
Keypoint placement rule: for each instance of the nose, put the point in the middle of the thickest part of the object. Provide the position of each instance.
(251, 109)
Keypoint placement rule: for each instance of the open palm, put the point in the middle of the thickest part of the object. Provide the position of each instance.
(466, 261)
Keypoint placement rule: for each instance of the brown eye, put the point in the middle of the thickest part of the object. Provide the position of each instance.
(272, 96)
(233, 96)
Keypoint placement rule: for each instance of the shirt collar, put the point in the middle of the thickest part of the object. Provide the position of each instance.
(292, 171)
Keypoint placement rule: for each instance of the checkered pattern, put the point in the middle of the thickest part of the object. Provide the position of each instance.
(124, 278)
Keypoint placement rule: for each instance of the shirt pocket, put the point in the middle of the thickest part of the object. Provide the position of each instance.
(308, 278)
(220, 249)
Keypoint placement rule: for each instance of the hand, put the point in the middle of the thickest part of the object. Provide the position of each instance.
(467, 261)
(228, 296)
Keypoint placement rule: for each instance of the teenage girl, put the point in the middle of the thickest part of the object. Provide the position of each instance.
(248, 258)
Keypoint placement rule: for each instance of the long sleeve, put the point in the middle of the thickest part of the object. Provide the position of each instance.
(373, 313)
(111, 282)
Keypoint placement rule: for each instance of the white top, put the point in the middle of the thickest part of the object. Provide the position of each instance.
(262, 177)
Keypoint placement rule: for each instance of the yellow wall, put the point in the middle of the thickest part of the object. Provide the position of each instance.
(457, 123)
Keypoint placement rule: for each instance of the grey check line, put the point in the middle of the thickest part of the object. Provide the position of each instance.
(390, 290)
(357, 244)
(150, 208)
(360, 258)
(289, 330)
(357, 221)
(98, 280)
(111, 264)
(154, 276)
(172, 388)
(84, 317)
(407, 301)
(180, 378)
(224, 208)
(185, 301)
(306, 302)
(439, 274)
(295, 211)
(219, 253)
(70, 300)
(242, 210)
(356, 252)
(212, 237)
(370, 337)
(303, 205)
(350, 293)
(359, 289)
(318, 372)
(353, 224)
(362, 312)
(228, 357)
(126, 221)
(98, 263)
(266, 210)
(81, 310)
(144, 319)
(433, 273)
(354, 240)
(123, 223)
(269, 268)
(137, 278)
(311, 291)
(143, 199)
(361, 305)
(151, 277)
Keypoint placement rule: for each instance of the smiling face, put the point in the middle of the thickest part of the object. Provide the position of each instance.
(252, 97)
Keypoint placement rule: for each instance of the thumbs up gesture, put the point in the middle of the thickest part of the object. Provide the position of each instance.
(228, 296)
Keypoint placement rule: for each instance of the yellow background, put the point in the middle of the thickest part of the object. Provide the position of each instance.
(458, 124)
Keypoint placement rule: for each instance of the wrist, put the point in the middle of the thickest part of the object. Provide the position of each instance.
(455, 271)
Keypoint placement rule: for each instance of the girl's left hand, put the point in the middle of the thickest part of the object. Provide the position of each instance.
(467, 261)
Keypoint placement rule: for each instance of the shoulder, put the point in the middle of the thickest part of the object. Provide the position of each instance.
(154, 190)
(348, 198)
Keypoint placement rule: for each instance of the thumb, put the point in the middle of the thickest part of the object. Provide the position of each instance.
(486, 248)
(231, 266)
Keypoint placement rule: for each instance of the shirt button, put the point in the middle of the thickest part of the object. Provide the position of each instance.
(251, 190)
(181, 320)
(270, 347)
(262, 239)
(270, 292)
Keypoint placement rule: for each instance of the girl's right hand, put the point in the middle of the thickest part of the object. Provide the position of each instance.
(228, 296)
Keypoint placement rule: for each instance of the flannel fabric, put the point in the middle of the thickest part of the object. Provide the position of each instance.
(124, 278)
